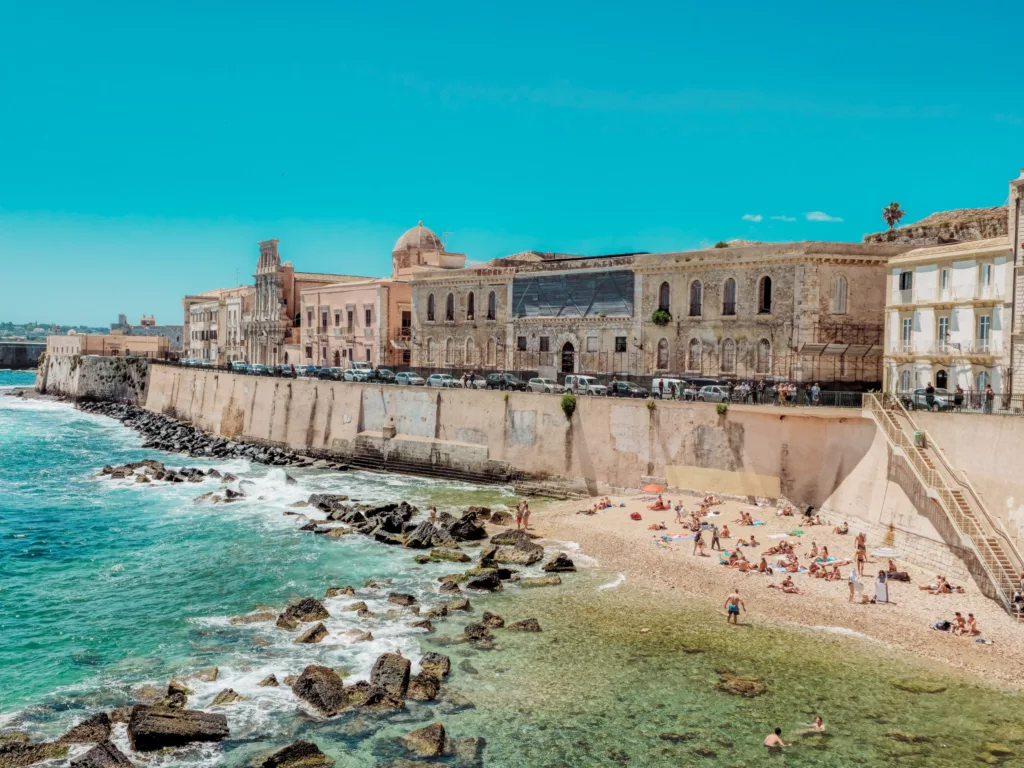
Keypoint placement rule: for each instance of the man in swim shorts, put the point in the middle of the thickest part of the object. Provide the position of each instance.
(733, 603)
(774, 740)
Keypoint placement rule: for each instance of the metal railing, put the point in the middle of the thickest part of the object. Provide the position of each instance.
(966, 525)
(970, 401)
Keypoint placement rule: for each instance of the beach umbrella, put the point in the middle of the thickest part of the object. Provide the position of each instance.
(653, 488)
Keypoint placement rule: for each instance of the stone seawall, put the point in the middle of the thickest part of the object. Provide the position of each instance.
(835, 459)
(90, 377)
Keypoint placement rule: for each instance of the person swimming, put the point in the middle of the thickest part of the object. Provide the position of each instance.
(774, 741)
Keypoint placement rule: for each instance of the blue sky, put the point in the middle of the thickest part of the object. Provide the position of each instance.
(145, 148)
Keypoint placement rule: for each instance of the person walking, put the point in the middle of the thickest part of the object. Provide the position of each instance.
(990, 398)
(714, 539)
(815, 394)
(519, 515)
(929, 395)
(855, 583)
(698, 542)
(733, 604)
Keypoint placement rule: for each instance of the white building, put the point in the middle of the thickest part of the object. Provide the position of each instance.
(948, 314)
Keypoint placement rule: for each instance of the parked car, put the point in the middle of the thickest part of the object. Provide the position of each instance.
(584, 385)
(626, 389)
(307, 370)
(544, 385)
(385, 376)
(713, 393)
(330, 374)
(942, 400)
(355, 374)
(286, 371)
(666, 384)
(442, 380)
(409, 378)
(240, 366)
(505, 381)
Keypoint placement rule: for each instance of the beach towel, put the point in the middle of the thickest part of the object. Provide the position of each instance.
(759, 522)
(797, 532)
(677, 537)
(777, 535)
(723, 558)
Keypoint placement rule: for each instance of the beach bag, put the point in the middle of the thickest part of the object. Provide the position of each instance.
(942, 626)
(635, 516)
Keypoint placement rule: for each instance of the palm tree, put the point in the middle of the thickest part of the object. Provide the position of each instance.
(892, 213)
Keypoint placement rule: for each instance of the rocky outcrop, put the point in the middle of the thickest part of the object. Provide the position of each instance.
(492, 620)
(423, 687)
(339, 592)
(298, 754)
(436, 664)
(427, 742)
(314, 634)
(524, 625)
(398, 598)
(321, 688)
(391, 673)
(103, 755)
(225, 697)
(153, 728)
(487, 581)
(14, 754)
(477, 631)
(467, 528)
(270, 681)
(957, 225)
(560, 563)
(426, 535)
(307, 609)
(95, 730)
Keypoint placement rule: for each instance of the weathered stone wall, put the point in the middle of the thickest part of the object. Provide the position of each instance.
(20, 355)
(91, 377)
(947, 226)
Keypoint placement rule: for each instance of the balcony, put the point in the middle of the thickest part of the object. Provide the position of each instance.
(903, 298)
(978, 348)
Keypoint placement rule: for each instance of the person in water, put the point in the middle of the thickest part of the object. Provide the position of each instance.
(774, 740)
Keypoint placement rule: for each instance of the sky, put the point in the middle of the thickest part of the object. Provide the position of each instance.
(145, 148)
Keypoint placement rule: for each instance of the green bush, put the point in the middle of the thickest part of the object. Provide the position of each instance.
(722, 408)
(661, 317)
(568, 405)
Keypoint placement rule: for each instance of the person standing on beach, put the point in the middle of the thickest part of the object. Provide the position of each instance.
(519, 515)
(526, 515)
(714, 539)
(733, 604)
(855, 584)
(698, 542)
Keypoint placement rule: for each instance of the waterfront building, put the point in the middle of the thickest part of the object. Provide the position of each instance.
(800, 311)
(175, 334)
(951, 309)
(107, 345)
(214, 323)
(370, 320)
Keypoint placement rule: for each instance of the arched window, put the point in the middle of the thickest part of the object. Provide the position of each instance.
(449, 307)
(430, 350)
(449, 352)
(470, 349)
(729, 297)
(490, 350)
(430, 308)
(728, 356)
(839, 295)
(694, 363)
(696, 296)
(492, 306)
(905, 381)
(470, 306)
(764, 356)
(982, 380)
(663, 354)
(942, 379)
(664, 295)
(764, 296)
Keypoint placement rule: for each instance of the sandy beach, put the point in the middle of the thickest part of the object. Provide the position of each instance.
(673, 573)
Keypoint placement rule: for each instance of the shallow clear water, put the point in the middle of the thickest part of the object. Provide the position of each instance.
(106, 586)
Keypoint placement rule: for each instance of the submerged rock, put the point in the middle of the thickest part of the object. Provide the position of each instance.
(540, 581)
(92, 731)
(322, 688)
(461, 604)
(422, 624)
(270, 681)
(526, 625)
(14, 754)
(436, 664)
(423, 687)
(254, 618)
(919, 686)
(427, 742)
(153, 728)
(339, 592)
(477, 631)
(227, 696)
(492, 620)
(487, 581)
(298, 754)
(740, 685)
(103, 755)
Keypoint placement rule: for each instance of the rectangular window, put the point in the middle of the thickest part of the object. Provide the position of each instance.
(344, 353)
(906, 281)
(309, 352)
(620, 343)
(337, 319)
(984, 327)
(907, 333)
(323, 354)
(351, 319)
(323, 318)
(309, 317)
(369, 317)
(986, 274)
(591, 343)
(942, 333)
(545, 343)
(521, 343)
(944, 279)
(367, 355)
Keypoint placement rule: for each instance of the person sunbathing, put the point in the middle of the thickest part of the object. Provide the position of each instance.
(763, 566)
(659, 504)
(841, 529)
(814, 569)
(754, 542)
(725, 532)
(939, 585)
(786, 586)
(834, 574)
(657, 526)
(892, 566)
(743, 566)
(817, 520)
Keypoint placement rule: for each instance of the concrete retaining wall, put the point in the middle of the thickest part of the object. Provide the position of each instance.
(89, 377)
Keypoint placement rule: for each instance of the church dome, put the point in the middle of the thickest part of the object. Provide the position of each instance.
(419, 237)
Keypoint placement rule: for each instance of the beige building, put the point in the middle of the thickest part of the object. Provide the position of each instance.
(215, 324)
(370, 320)
(802, 311)
(108, 345)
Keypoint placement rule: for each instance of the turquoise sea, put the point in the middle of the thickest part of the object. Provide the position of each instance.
(106, 587)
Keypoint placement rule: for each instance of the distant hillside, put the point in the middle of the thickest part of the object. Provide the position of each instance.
(948, 226)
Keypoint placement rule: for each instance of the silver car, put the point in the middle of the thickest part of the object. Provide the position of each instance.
(713, 394)
(409, 378)
(355, 374)
(440, 380)
(543, 385)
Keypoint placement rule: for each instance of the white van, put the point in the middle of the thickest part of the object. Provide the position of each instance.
(584, 385)
(666, 385)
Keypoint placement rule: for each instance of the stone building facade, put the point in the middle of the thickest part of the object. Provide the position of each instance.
(214, 324)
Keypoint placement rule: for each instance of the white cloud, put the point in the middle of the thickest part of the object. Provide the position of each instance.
(755, 217)
(783, 218)
(820, 216)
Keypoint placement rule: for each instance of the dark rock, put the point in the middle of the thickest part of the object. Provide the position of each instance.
(298, 754)
(225, 697)
(435, 664)
(516, 538)
(448, 555)
(477, 631)
(427, 742)
(391, 672)
(467, 529)
(314, 634)
(327, 501)
(466, 666)
(270, 681)
(14, 754)
(560, 563)
(526, 625)
(177, 695)
(492, 620)
(103, 755)
(289, 480)
(460, 605)
(449, 588)
(382, 537)
(92, 731)
(358, 606)
(376, 583)
(120, 715)
(307, 609)
(422, 624)
(339, 592)
(398, 598)
(423, 687)
(501, 517)
(438, 611)
(519, 554)
(153, 728)
(365, 694)
(426, 535)
(487, 581)
(322, 689)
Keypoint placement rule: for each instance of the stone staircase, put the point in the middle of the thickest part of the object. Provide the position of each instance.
(955, 496)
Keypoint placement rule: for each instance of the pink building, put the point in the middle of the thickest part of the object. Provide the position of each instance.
(370, 320)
